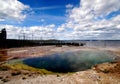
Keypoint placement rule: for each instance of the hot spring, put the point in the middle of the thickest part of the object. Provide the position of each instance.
(70, 61)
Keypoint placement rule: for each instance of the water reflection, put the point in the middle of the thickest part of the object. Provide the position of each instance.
(70, 62)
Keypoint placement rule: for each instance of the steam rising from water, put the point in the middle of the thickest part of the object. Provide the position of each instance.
(70, 61)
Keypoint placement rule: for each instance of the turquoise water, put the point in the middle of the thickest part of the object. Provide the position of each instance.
(70, 61)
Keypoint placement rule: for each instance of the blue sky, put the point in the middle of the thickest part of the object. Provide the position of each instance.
(65, 19)
(45, 12)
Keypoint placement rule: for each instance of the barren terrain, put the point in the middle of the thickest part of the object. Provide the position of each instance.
(106, 73)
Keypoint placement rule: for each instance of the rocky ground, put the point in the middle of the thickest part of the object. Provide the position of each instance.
(106, 73)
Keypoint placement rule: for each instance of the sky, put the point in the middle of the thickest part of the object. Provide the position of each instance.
(61, 19)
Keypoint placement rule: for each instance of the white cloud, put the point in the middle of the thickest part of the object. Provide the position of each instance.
(2, 20)
(88, 20)
(47, 8)
(84, 22)
(42, 20)
(61, 29)
(12, 9)
(69, 6)
(33, 32)
(51, 26)
(100, 7)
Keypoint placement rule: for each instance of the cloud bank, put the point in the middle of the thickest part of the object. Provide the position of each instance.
(91, 20)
